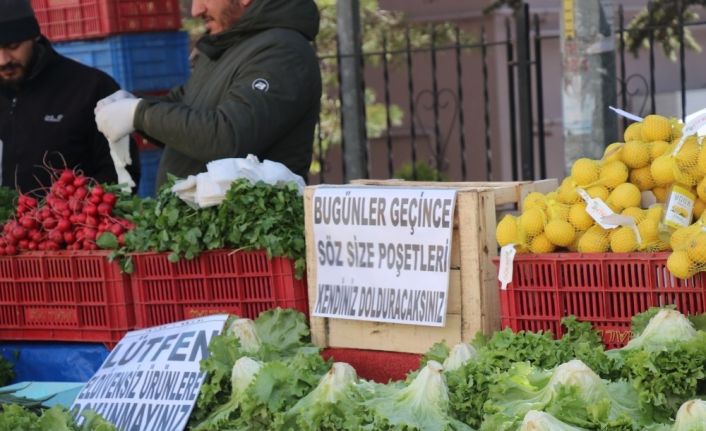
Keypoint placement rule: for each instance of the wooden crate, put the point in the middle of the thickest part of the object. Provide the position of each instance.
(473, 303)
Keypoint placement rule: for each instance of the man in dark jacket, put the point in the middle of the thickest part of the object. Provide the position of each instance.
(255, 89)
(46, 107)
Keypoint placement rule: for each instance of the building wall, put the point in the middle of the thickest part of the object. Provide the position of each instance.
(468, 15)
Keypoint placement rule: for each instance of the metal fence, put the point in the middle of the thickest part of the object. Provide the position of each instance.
(467, 108)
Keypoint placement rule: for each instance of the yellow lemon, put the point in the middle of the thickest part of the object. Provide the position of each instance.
(625, 196)
(506, 231)
(613, 174)
(541, 244)
(642, 178)
(636, 213)
(579, 218)
(679, 264)
(598, 192)
(623, 240)
(612, 152)
(657, 148)
(633, 132)
(534, 200)
(532, 222)
(559, 232)
(635, 154)
(696, 248)
(662, 170)
(585, 171)
(699, 206)
(594, 240)
(656, 128)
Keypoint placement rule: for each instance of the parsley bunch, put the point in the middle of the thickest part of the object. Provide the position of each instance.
(252, 217)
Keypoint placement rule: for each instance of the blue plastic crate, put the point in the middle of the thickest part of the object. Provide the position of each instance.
(149, 162)
(138, 62)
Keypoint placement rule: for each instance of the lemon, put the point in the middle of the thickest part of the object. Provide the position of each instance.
(696, 249)
(677, 127)
(679, 264)
(686, 160)
(648, 229)
(657, 148)
(585, 171)
(699, 206)
(579, 218)
(701, 161)
(595, 240)
(655, 212)
(633, 132)
(506, 231)
(701, 189)
(557, 210)
(642, 178)
(566, 193)
(662, 170)
(625, 196)
(635, 154)
(534, 200)
(559, 232)
(613, 174)
(623, 240)
(680, 236)
(612, 152)
(656, 128)
(541, 244)
(574, 246)
(532, 222)
(660, 193)
(636, 213)
(598, 192)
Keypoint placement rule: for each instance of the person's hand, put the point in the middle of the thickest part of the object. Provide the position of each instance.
(116, 120)
(118, 95)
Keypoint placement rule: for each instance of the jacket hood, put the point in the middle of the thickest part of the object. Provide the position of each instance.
(298, 15)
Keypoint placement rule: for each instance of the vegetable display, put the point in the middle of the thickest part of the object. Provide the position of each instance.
(73, 215)
(251, 217)
(264, 374)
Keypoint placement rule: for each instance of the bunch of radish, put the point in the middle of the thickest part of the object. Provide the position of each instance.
(72, 216)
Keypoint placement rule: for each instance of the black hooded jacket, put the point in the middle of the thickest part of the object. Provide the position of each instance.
(48, 120)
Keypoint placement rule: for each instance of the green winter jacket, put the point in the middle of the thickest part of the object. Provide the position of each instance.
(254, 89)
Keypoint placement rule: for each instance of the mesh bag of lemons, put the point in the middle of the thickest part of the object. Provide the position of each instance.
(654, 157)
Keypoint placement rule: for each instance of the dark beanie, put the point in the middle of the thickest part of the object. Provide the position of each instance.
(17, 21)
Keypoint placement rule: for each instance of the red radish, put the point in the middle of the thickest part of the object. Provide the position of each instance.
(75, 205)
(11, 250)
(91, 221)
(49, 223)
(24, 244)
(35, 236)
(110, 199)
(116, 229)
(32, 245)
(90, 210)
(121, 239)
(19, 232)
(64, 225)
(69, 237)
(104, 209)
(67, 176)
(97, 190)
(95, 200)
(55, 236)
(80, 193)
(70, 189)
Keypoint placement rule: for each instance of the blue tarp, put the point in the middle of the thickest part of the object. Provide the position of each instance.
(54, 362)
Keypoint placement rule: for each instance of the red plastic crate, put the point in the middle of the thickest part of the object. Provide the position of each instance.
(604, 289)
(64, 296)
(62, 20)
(245, 283)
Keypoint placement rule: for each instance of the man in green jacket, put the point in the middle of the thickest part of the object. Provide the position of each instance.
(255, 89)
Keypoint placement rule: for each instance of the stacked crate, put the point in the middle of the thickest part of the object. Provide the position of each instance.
(137, 42)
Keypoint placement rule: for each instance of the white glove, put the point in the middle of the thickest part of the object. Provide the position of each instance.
(118, 95)
(116, 120)
(120, 153)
